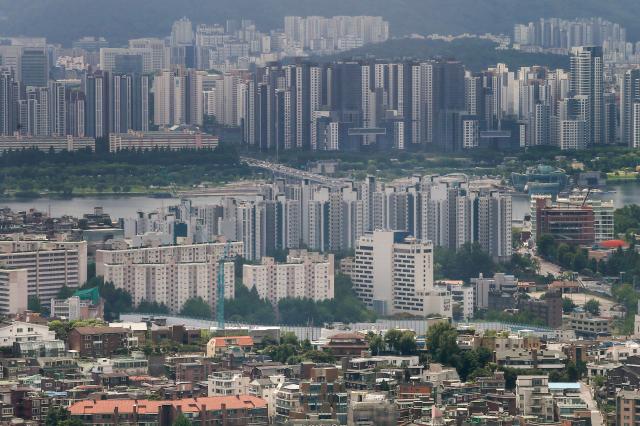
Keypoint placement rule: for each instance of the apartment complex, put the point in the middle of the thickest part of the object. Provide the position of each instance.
(46, 143)
(170, 275)
(305, 275)
(172, 140)
(393, 273)
(51, 265)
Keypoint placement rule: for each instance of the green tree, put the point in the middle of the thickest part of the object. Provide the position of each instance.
(376, 343)
(392, 339)
(289, 338)
(592, 306)
(181, 420)
(627, 219)
(463, 264)
(59, 416)
(441, 342)
(65, 292)
(598, 381)
(546, 246)
(407, 344)
(567, 305)
(61, 328)
(196, 307)
(34, 305)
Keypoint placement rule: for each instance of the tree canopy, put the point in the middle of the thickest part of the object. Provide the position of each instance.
(196, 307)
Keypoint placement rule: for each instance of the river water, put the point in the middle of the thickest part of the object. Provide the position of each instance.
(621, 194)
(125, 206)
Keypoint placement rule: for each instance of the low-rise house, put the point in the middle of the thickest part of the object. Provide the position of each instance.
(19, 331)
(617, 351)
(543, 359)
(172, 364)
(33, 349)
(625, 376)
(437, 375)
(347, 345)
(84, 304)
(178, 334)
(57, 366)
(533, 397)
(196, 371)
(266, 369)
(30, 404)
(585, 324)
(136, 365)
(11, 368)
(94, 342)
(218, 345)
(228, 383)
(287, 401)
(266, 388)
(137, 331)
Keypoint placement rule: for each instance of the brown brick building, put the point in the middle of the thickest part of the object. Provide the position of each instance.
(548, 310)
(92, 342)
(571, 224)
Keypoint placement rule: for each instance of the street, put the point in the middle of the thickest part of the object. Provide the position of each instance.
(596, 415)
(545, 267)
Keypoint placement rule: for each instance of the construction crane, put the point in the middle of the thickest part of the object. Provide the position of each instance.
(586, 196)
(220, 289)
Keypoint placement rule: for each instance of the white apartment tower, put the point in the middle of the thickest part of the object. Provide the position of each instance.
(393, 273)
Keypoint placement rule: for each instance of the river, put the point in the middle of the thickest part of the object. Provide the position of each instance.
(126, 206)
(621, 194)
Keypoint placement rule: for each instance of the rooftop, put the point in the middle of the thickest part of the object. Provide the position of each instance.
(189, 405)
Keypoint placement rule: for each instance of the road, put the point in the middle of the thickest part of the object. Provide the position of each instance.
(282, 170)
(545, 267)
(596, 415)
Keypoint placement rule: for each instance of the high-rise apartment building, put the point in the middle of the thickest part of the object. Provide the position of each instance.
(393, 273)
(587, 79)
(304, 275)
(96, 89)
(182, 32)
(160, 52)
(34, 67)
(630, 108)
(129, 103)
(51, 265)
(13, 290)
(9, 96)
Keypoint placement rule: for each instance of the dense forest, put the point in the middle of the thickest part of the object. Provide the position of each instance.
(63, 21)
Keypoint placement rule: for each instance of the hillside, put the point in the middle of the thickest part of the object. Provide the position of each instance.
(475, 54)
(66, 20)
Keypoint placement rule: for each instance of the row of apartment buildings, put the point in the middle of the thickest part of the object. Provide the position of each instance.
(447, 210)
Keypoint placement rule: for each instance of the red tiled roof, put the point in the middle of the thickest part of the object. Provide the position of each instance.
(143, 406)
(613, 244)
(222, 342)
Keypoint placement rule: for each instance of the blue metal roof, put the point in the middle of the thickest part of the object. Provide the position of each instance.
(564, 385)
